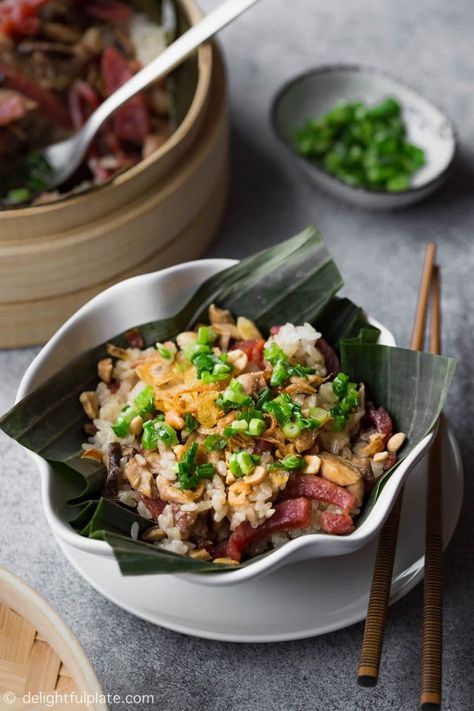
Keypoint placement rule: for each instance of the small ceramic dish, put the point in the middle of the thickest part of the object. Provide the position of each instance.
(312, 94)
(146, 298)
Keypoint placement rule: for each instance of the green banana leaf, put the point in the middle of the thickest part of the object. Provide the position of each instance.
(294, 281)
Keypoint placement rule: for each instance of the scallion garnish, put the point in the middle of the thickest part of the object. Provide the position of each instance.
(363, 146)
(291, 430)
(263, 397)
(339, 384)
(256, 427)
(157, 430)
(191, 423)
(348, 401)
(243, 463)
(121, 426)
(233, 397)
(210, 367)
(145, 401)
(190, 472)
(206, 335)
(283, 370)
(163, 351)
(215, 441)
(290, 463)
(319, 415)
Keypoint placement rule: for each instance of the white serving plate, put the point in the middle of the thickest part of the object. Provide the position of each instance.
(123, 306)
(317, 91)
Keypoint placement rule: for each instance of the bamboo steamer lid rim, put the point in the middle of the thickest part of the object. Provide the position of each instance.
(205, 65)
(30, 605)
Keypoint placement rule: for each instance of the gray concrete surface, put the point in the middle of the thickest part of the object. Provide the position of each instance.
(429, 44)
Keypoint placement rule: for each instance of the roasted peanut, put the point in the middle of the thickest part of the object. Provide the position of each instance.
(90, 403)
(238, 359)
(247, 328)
(104, 369)
(396, 441)
(175, 420)
(256, 477)
(313, 464)
(136, 425)
(200, 554)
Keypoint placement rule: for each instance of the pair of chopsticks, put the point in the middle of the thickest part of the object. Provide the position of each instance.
(431, 652)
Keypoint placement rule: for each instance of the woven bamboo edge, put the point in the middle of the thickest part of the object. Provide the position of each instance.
(39, 653)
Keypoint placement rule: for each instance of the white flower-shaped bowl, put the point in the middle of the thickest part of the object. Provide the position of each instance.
(131, 302)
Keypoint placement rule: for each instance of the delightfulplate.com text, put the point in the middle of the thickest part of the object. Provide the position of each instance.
(73, 698)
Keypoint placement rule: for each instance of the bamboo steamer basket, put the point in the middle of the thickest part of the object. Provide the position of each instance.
(117, 231)
(30, 322)
(76, 211)
(39, 655)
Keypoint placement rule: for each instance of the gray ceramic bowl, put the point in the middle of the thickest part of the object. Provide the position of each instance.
(317, 91)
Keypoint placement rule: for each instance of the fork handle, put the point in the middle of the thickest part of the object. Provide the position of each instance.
(168, 60)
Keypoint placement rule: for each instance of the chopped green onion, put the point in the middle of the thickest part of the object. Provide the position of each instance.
(189, 472)
(155, 431)
(363, 146)
(339, 423)
(210, 368)
(205, 471)
(233, 397)
(215, 441)
(206, 335)
(319, 415)
(163, 351)
(300, 371)
(263, 397)
(186, 468)
(279, 374)
(145, 401)
(238, 426)
(218, 370)
(339, 384)
(290, 463)
(149, 437)
(282, 407)
(274, 353)
(19, 195)
(193, 349)
(257, 427)
(191, 423)
(291, 430)
(293, 462)
(245, 462)
(242, 463)
(121, 426)
(348, 401)
(234, 466)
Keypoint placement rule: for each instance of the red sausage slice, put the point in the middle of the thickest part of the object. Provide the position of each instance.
(294, 513)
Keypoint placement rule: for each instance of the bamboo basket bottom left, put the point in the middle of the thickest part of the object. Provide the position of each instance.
(30, 668)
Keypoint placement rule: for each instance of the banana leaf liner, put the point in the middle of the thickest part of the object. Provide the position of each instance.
(294, 281)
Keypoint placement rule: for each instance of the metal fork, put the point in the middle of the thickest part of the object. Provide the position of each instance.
(65, 157)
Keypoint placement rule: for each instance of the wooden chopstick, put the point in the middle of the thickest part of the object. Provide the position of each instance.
(374, 630)
(432, 639)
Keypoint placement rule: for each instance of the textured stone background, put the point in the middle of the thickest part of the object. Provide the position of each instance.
(429, 44)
